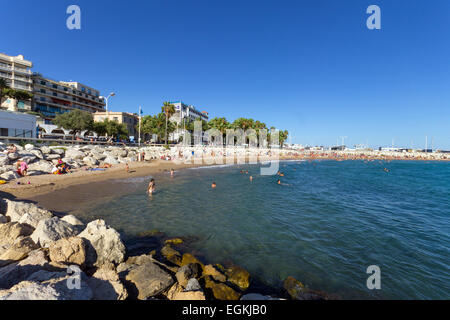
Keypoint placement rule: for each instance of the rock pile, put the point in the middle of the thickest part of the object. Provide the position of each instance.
(41, 160)
(45, 257)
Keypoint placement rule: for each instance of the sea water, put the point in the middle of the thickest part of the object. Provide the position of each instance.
(325, 225)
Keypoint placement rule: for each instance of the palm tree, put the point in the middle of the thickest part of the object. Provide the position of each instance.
(169, 110)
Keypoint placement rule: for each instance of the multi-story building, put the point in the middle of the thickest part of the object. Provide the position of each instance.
(188, 112)
(183, 111)
(16, 71)
(54, 97)
(130, 119)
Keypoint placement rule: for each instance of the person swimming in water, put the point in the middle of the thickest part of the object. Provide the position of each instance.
(151, 186)
(213, 185)
(279, 182)
(171, 172)
(251, 178)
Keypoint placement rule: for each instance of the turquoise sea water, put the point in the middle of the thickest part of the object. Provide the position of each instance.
(325, 226)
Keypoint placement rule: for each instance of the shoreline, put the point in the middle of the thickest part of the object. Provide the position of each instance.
(44, 184)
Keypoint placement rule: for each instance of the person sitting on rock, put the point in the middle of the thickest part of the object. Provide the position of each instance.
(11, 149)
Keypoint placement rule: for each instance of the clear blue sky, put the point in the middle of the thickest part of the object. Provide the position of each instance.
(311, 67)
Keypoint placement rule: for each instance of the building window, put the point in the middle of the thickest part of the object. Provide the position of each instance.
(43, 83)
(55, 94)
(55, 86)
(42, 90)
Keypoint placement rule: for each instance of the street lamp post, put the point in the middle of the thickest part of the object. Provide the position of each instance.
(112, 94)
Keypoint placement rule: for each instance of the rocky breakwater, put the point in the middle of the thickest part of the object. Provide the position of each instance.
(46, 257)
(42, 160)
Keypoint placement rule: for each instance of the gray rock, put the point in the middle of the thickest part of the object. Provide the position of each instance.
(149, 280)
(75, 154)
(106, 285)
(105, 244)
(13, 156)
(19, 271)
(4, 160)
(26, 213)
(41, 165)
(37, 153)
(46, 150)
(58, 150)
(72, 220)
(187, 272)
(50, 230)
(10, 175)
(193, 285)
(90, 161)
(111, 160)
(56, 288)
(29, 147)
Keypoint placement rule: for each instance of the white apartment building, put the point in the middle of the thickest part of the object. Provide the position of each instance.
(183, 111)
(54, 97)
(16, 71)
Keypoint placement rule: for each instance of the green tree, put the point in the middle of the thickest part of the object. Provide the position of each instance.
(17, 95)
(75, 120)
(3, 86)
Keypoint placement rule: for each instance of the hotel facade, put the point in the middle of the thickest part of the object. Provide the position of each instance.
(55, 97)
(130, 119)
(17, 73)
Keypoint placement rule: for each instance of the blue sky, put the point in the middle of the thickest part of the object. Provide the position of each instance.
(311, 67)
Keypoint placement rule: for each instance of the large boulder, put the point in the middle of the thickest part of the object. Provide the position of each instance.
(90, 161)
(171, 255)
(50, 230)
(106, 285)
(37, 153)
(212, 271)
(149, 280)
(13, 156)
(187, 272)
(29, 147)
(46, 150)
(73, 220)
(17, 251)
(71, 251)
(56, 288)
(97, 155)
(26, 213)
(4, 160)
(9, 175)
(19, 271)
(239, 277)
(74, 154)
(58, 150)
(220, 291)
(11, 231)
(176, 292)
(41, 165)
(110, 160)
(104, 245)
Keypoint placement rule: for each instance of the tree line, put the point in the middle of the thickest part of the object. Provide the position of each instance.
(158, 124)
